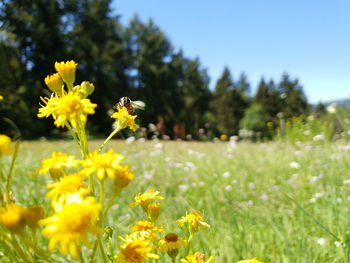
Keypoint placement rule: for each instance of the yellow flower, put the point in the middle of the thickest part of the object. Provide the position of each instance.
(67, 185)
(123, 176)
(70, 225)
(135, 251)
(1, 97)
(5, 143)
(171, 244)
(67, 71)
(33, 214)
(146, 229)
(253, 260)
(85, 89)
(69, 107)
(103, 164)
(146, 199)
(196, 258)
(153, 211)
(12, 217)
(223, 137)
(55, 83)
(124, 119)
(194, 220)
(56, 164)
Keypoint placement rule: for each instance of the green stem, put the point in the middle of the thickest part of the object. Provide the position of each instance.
(173, 259)
(93, 252)
(109, 205)
(313, 218)
(103, 254)
(109, 137)
(19, 250)
(9, 176)
(8, 250)
(102, 198)
(74, 135)
(83, 139)
(81, 257)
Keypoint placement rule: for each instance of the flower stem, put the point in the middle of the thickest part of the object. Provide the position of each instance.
(103, 254)
(9, 176)
(81, 257)
(108, 138)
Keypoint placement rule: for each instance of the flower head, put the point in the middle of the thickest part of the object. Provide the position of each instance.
(146, 229)
(55, 83)
(33, 214)
(103, 165)
(123, 176)
(12, 217)
(67, 71)
(196, 258)
(171, 244)
(56, 164)
(5, 143)
(67, 185)
(69, 107)
(153, 211)
(253, 260)
(124, 119)
(135, 251)
(146, 199)
(70, 225)
(194, 220)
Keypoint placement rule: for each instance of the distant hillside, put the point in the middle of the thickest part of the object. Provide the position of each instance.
(340, 102)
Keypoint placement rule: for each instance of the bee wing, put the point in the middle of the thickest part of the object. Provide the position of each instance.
(138, 104)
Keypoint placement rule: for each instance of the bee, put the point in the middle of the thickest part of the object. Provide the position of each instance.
(130, 105)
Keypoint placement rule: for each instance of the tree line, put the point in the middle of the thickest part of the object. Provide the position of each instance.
(136, 60)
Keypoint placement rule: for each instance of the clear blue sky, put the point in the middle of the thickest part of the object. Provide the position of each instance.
(310, 39)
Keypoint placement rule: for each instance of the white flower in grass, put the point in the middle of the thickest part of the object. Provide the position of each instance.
(226, 174)
(321, 241)
(294, 165)
(228, 187)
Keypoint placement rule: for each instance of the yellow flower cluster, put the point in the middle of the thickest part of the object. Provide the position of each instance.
(15, 217)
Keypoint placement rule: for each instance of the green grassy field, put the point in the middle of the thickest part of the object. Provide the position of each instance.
(267, 200)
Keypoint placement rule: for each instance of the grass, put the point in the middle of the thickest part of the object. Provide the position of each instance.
(257, 202)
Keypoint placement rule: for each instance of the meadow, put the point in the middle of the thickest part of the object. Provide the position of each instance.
(277, 201)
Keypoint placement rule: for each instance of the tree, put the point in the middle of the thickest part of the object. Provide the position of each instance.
(294, 102)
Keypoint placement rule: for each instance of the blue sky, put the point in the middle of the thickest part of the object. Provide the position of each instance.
(308, 39)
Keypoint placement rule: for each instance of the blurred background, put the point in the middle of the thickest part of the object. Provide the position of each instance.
(257, 70)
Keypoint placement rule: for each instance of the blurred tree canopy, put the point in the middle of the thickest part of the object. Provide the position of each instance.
(136, 60)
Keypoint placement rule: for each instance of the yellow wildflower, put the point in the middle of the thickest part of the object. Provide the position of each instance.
(67, 185)
(253, 260)
(67, 71)
(85, 89)
(12, 217)
(1, 97)
(55, 83)
(56, 164)
(146, 229)
(103, 164)
(153, 211)
(70, 225)
(5, 145)
(171, 244)
(194, 220)
(123, 176)
(33, 214)
(223, 137)
(124, 119)
(135, 251)
(146, 199)
(69, 107)
(196, 258)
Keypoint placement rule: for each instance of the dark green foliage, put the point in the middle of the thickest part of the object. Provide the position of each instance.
(229, 102)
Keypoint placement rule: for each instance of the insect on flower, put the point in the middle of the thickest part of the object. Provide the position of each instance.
(130, 105)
